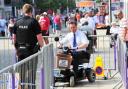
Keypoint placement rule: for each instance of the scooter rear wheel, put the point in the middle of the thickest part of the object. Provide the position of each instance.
(91, 76)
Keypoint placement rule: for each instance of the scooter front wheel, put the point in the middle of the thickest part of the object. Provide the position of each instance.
(72, 81)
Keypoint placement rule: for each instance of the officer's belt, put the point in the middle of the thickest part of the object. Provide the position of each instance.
(26, 45)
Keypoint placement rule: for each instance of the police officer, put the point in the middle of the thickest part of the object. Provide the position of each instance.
(26, 35)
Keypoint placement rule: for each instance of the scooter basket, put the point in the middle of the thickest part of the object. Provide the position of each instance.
(64, 60)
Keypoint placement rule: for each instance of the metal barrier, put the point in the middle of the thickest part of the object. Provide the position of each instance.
(34, 72)
(7, 52)
(122, 62)
(105, 50)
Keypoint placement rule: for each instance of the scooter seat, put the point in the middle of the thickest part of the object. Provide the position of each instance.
(85, 60)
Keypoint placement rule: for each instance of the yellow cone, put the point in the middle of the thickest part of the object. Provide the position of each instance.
(99, 70)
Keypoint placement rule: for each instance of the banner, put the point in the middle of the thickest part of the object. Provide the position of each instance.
(85, 4)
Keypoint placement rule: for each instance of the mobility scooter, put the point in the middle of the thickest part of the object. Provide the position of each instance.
(64, 71)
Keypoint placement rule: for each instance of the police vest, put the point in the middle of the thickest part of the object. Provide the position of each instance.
(25, 33)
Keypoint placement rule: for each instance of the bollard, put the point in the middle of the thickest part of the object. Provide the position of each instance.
(13, 80)
(115, 50)
(42, 79)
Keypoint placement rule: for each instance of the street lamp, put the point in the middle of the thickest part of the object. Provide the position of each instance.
(110, 13)
(13, 8)
(33, 2)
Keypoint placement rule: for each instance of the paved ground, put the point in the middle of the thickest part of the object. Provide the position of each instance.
(99, 84)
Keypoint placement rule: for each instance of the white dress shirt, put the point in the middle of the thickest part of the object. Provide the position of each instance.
(114, 30)
(107, 22)
(96, 19)
(80, 39)
(91, 22)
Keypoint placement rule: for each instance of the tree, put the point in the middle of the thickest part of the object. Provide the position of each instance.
(53, 4)
(98, 1)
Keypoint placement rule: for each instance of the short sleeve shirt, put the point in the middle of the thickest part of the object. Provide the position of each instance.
(26, 30)
(80, 39)
(91, 22)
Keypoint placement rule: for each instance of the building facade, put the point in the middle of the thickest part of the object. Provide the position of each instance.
(5, 9)
(10, 8)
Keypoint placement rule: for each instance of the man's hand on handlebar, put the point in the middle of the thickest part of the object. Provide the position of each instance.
(59, 46)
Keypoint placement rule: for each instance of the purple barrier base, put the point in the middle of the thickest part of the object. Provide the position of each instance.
(42, 79)
(13, 81)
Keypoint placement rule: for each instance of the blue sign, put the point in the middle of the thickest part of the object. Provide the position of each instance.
(99, 70)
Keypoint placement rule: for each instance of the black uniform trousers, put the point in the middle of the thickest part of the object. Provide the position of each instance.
(27, 70)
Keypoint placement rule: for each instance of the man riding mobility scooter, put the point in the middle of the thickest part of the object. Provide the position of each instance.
(65, 72)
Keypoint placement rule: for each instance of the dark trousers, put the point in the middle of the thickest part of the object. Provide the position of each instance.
(95, 39)
(127, 44)
(108, 30)
(114, 37)
(27, 70)
(127, 52)
(79, 58)
(2, 33)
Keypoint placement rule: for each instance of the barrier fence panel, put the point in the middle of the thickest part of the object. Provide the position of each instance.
(7, 52)
(105, 50)
(123, 62)
(55, 44)
(34, 72)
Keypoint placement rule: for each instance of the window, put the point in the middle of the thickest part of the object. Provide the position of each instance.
(7, 2)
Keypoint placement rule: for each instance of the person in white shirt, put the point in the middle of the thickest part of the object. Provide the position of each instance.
(84, 25)
(114, 30)
(3, 26)
(92, 23)
(122, 21)
(10, 27)
(86, 29)
(120, 16)
(83, 19)
(78, 41)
